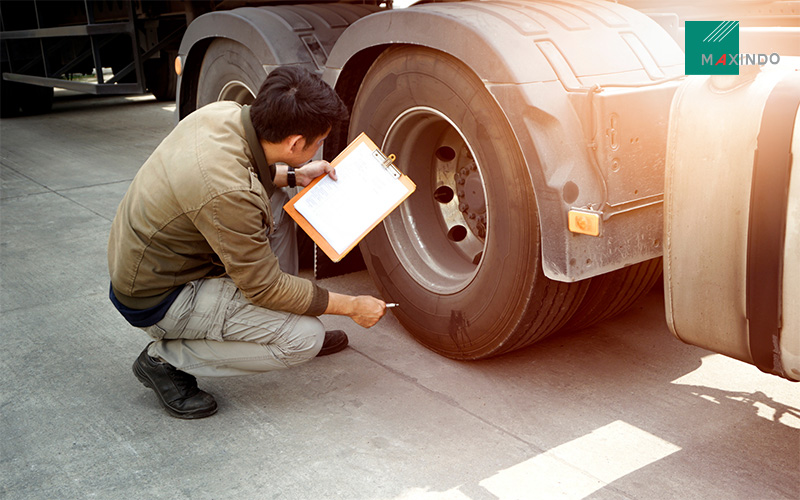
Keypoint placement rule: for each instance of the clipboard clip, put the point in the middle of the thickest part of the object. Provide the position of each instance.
(387, 162)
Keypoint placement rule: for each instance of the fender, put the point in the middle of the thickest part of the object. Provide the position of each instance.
(601, 150)
(278, 35)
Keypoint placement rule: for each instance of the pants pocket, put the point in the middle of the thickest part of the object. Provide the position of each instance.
(154, 331)
(174, 322)
(198, 312)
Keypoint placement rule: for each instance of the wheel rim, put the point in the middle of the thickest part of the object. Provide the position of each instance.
(236, 91)
(439, 234)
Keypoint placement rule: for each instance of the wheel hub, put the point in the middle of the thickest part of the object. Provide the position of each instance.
(472, 202)
(439, 233)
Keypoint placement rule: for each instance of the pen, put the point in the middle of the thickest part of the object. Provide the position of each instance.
(392, 304)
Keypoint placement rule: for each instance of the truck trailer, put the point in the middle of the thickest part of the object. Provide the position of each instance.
(563, 158)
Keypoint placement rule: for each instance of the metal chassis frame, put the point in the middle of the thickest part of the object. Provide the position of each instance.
(94, 31)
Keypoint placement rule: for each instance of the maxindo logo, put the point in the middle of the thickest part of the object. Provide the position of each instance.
(712, 48)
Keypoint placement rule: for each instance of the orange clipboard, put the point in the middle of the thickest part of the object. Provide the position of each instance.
(388, 188)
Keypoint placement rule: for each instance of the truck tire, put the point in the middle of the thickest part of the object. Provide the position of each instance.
(9, 105)
(230, 72)
(613, 293)
(461, 255)
(37, 100)
(21, 98)
(160, 77)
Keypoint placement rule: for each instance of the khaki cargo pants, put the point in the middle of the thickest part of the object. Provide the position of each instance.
(212, 330)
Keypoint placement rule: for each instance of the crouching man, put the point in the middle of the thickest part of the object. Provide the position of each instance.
(203, 258)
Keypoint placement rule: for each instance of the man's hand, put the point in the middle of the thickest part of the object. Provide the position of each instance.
(368, 310)
(312, 170)
(363, 309)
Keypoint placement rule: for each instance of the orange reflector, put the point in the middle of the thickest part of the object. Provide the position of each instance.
(584, 222)
(178, 66)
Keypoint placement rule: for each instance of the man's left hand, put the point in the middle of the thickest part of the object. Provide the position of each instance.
(312, 170)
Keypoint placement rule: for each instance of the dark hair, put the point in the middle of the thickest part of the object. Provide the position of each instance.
(295, 101)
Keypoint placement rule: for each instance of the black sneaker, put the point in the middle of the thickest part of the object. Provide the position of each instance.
(176, 390)
(335, 341)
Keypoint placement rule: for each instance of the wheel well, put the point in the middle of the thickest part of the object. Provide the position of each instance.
(347, 85)
(189, 78)
(542, 87)
(299, 35)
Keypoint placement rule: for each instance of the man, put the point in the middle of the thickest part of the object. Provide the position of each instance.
(192, 249)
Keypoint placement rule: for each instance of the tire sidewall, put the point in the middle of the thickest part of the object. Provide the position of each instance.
(226, 61)
(466, 323)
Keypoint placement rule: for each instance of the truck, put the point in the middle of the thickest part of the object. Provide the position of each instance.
(565, 163)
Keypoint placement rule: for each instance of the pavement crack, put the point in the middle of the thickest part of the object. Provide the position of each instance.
(95, 212)
(449, 401)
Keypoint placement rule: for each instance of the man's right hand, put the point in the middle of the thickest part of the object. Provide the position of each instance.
(365, 310)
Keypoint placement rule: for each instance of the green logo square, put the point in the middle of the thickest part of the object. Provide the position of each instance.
(712, 47)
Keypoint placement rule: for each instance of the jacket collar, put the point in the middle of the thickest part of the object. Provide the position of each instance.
(265, 171)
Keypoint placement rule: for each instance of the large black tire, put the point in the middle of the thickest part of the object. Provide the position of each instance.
(615, 292)
(160, 77)
(37, 100)
(20, 98)
(230, 72)
(462, 255)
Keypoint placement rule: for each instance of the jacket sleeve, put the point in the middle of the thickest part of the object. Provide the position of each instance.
(235, 225)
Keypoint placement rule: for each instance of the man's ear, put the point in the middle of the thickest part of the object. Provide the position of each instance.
(294, 143)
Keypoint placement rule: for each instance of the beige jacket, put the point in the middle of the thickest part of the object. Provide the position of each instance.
(196, 209)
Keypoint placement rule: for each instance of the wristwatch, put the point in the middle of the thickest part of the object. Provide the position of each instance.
(291, 179)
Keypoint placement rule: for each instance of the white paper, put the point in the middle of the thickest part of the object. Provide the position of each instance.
(344, 209)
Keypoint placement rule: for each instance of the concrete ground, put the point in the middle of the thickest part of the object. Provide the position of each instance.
(619, 411)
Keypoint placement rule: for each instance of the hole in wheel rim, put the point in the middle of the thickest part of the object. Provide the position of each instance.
(457, 233)
(445, 153)
(443, 194)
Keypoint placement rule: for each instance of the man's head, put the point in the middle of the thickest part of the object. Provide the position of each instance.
(293, 102)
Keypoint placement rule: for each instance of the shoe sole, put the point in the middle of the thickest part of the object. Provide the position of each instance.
(145, 380)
